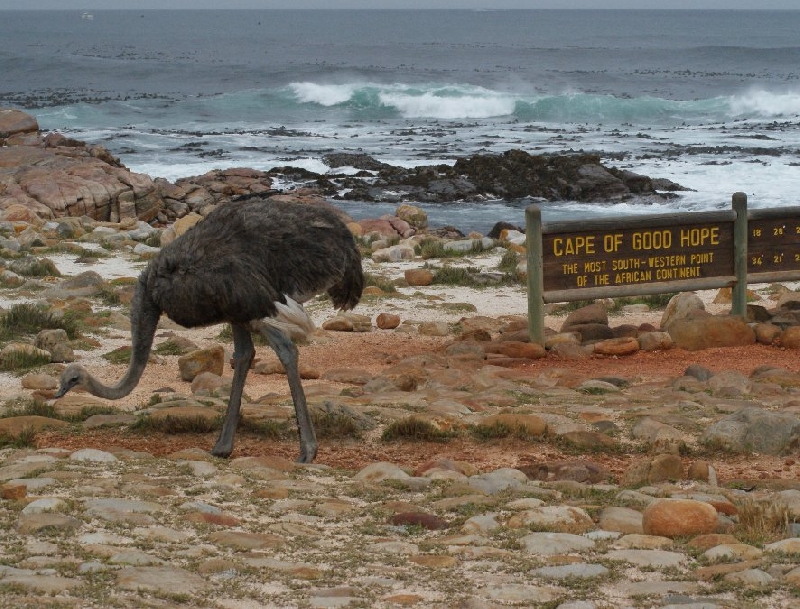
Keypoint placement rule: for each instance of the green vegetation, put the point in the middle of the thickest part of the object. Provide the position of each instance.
(435, 248)
(27, 319)
(122, 355)
(760, 522)
(385, 285)
(414, 428)
(508, 262)
(175, 425)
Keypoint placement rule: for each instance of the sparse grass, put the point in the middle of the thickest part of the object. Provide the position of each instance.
(455, 276)
(39, 268)
(414, 428)
(385, 285)
(20, 361)
(435, 248)
(499, 430)
(153, 239)
(25, 439)
(266, 428)
(30, 407)
(122, 355)
(176, 425)
(27, 319)
(508, 262)
(332, 425)
(170, 347)
(761, 522)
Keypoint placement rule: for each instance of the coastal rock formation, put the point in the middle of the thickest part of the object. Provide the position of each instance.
(53, 176)
(515, 174)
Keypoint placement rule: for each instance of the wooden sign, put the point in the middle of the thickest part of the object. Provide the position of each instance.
(640, 255)
(773, 244)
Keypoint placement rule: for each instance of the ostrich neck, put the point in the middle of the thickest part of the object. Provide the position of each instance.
(144, 320)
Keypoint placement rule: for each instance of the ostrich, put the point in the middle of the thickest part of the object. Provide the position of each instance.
(245, 263)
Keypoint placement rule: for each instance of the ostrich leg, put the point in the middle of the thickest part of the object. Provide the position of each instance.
(243, 353)
(287, 353)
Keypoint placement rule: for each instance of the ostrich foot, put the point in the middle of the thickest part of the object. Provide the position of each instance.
(221, 450)
(307, 454)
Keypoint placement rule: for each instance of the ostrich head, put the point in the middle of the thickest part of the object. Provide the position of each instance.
(73, 376)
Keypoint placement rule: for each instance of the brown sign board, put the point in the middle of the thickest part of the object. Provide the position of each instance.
(773, 244)
(641, 255)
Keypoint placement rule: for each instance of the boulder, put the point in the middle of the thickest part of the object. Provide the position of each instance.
(711, 331)
(755, 430)
(412, 214)
(15, 121)
(202, 360)
(681, 306)
(679, 518)
(418, 277)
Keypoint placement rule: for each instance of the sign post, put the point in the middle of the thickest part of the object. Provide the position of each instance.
(633, 256)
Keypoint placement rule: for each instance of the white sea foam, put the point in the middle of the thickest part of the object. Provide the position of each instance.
(449, 105)
(765, 104)
(323, 94)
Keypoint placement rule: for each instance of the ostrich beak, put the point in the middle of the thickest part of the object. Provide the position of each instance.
(61, 392)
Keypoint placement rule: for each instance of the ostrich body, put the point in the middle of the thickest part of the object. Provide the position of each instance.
(242, 264)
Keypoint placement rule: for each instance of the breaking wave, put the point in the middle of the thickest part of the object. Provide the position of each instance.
(456, 102)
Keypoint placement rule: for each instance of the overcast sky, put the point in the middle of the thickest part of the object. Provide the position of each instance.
(497, 4)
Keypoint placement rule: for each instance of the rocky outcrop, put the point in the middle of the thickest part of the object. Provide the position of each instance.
(515, 174)
(53, 176)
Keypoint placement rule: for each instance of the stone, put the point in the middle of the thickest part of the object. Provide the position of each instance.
(577, 571)
(788, 338)
(651, 559)
(203, 360)
(161, 579)
(39, 381)
(418, 277)
(517, 349)
(681, 306)
(754, 429)
(660, 468)
(655, 341)
(625, 345)
(377, 472)
(621, 519)
(46, 522)
(92, 454)
(13, 122)
(770, 334)
(412, 214)
(14, 427)
(679, 518)
(557, 518)
(548, 544)
(12, 352)
(387, 321)
(711, 331)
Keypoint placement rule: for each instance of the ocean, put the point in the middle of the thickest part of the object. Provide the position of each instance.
(708, 99)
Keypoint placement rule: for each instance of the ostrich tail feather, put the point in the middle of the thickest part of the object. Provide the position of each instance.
(292, 320)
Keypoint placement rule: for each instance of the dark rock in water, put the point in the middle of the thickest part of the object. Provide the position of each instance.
(357, 160)
(514, 174)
